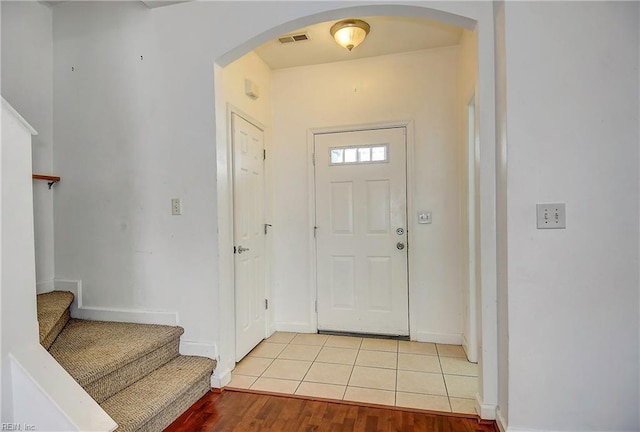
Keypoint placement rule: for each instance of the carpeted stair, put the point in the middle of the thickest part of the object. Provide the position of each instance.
(134, 371)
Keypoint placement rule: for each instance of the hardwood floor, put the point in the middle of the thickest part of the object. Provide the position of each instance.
(240, 411)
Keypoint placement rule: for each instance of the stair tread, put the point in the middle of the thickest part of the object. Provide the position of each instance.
(52, 306)
(89, 350)
(134, 406)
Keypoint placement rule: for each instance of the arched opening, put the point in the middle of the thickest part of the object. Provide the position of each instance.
(485, 172)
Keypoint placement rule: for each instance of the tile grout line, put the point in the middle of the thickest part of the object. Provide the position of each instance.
(311, 365)
(446, 388)
(353, 367)
(273, 360)
(395, 393)
(324, 343)
(305, 374)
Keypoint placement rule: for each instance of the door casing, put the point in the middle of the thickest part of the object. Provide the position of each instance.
(408, 126)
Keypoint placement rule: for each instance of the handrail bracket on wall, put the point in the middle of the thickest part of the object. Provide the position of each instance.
(51, 179)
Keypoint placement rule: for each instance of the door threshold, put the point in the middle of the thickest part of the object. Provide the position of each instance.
(364, 335)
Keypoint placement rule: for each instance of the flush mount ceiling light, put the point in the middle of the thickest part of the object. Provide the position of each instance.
(350, 33)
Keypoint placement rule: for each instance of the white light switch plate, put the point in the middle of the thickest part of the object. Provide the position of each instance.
(424, 217)
(551, 216)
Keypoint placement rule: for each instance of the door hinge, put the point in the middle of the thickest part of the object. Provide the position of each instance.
(266, 304)
(315, 231)
(316, 306)
(264, 154)
(313, 159)
(266, 227)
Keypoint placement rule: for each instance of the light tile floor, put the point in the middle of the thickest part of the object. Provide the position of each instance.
(381, 371)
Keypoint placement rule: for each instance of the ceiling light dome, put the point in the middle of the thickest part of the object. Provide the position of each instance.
(350, 33)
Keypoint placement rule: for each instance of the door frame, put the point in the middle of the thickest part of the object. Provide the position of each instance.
(232, 109)
(311, 186)
(470, 341)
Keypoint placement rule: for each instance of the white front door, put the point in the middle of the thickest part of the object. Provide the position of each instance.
(248, 234)
(361, 231)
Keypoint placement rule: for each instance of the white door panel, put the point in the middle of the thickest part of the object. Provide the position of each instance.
(360, 203)
(248, 210)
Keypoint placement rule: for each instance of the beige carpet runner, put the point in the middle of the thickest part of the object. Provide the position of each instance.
(134, 371)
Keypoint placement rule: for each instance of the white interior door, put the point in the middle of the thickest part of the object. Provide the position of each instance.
(361, 234)
(248, 231)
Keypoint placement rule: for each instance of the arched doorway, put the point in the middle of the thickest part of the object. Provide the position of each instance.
(486, 179)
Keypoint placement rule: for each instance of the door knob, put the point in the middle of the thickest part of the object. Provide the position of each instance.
(400, 245)
(242, 249)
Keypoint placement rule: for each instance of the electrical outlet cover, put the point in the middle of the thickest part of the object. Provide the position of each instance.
(551, 216)
(176, 206)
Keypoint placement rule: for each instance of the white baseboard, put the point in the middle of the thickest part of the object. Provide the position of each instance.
(271, 329)
(78, 310)
(441, 338)
(502, 425)
(210, 350)
(201, 349)
(220, 378)
(471, 356)
(44, 286)
(520, 429)
(485, 411)
(295, 327)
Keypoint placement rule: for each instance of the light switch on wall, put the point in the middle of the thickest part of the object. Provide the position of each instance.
(551, 216)
(424, 217)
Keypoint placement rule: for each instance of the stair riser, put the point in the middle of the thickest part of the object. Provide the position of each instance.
(108, 385)
(169, 415)
(162, 396)
(57, 328)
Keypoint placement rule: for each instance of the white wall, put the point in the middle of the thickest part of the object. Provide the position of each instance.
(502, 414)
(420, 87)
(124, 151)
(572, 128)
(131, 134)
(253, 68)
(27, 83)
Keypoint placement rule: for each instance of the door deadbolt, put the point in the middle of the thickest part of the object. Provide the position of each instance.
(400, 231)
(400, 245)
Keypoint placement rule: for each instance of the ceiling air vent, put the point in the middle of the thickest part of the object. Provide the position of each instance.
(294, 38)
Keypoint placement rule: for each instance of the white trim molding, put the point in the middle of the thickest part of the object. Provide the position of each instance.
(441, 338)
(500, 421)
(78, 310)
(45, 286)
(38, 378)
(220, 378)
(210, 350)
(25, 124)
(202, 349)
(299, 327)
(486, 411)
